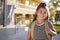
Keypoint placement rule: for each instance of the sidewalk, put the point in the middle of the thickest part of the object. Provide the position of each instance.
(17, 33)
(12, 33)
(57, 37)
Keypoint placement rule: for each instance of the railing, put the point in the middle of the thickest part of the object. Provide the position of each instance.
(25, 6)
(11, 12)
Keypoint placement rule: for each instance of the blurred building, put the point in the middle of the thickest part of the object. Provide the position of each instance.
(1, 12)
(20, 12)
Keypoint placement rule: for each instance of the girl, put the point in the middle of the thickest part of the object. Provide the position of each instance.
(40, 25)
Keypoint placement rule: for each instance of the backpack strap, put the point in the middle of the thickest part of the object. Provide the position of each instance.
(32, 29)
(48, 35)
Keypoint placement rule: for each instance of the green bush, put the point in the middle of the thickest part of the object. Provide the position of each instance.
(57, 27)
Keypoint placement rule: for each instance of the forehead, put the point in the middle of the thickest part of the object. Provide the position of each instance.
(42, 9)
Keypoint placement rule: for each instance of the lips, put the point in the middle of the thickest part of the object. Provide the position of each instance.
(41, 17)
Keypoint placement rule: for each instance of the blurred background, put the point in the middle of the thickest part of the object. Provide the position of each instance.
(16, 15)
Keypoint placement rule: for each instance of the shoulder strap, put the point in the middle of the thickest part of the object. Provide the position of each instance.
(48, 36)
(46, 24)
(32, 29)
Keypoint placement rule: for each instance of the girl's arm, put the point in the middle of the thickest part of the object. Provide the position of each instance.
(29, 34)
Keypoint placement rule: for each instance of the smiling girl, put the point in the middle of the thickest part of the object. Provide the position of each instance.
(38, 29)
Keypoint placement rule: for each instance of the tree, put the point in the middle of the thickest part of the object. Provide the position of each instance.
(54, 4)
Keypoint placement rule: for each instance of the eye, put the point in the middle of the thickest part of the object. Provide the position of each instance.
(40, 11)
(44, 12)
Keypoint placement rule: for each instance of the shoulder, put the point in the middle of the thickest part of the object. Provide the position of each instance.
(50, 24)
(31, 23)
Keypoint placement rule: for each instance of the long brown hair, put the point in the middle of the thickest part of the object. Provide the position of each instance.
(41, 5)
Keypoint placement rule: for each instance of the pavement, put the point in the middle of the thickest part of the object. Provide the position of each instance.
(57, 37)
(13, 34)
(17, 33)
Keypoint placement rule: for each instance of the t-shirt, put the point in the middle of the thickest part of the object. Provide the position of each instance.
(39, 31)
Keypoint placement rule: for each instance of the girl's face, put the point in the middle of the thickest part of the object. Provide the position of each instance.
(41, 13)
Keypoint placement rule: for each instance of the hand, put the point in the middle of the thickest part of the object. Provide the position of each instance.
(48, 30)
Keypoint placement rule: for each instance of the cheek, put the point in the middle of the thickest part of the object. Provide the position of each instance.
(45, 15)
(38, 14)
